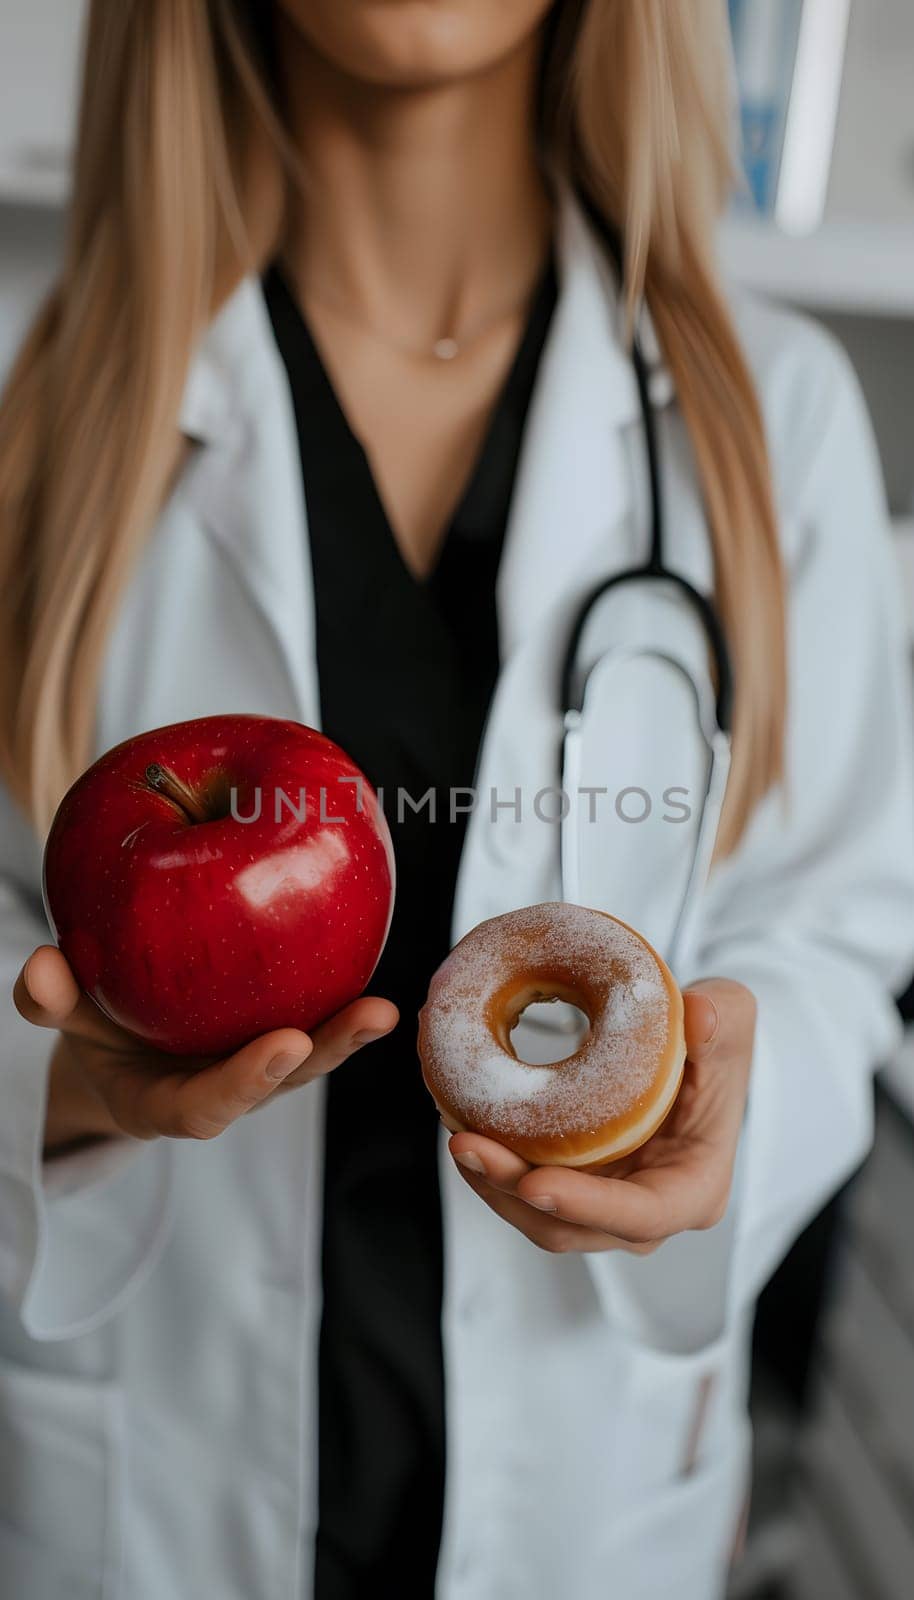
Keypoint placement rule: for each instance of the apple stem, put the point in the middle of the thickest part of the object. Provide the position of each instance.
(167, 783)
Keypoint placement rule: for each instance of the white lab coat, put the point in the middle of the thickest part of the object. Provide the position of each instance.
(159, 1304)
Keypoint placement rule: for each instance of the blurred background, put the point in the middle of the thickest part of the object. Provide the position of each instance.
(824, 221)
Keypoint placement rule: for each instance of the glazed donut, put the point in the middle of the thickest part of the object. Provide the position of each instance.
(601, 1103)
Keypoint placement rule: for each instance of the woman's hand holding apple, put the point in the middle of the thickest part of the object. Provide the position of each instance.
(104, 1083)
(207, 883)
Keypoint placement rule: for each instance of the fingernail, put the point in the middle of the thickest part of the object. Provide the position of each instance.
(282, 1065)
(543, 1202)
(367, 1036)
(472, 1162)
(716, 1022)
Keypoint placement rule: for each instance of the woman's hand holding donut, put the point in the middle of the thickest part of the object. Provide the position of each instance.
(680, 1180)
(103, 1083)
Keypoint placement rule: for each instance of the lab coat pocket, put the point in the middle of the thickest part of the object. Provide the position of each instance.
(680, 1411)
(680, 1539)
(61, 1482)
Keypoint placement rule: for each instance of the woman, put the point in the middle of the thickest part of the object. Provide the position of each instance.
(331, 416)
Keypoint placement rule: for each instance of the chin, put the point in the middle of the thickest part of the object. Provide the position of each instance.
(415, 44)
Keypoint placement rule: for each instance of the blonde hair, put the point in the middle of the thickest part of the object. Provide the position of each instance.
(177, 122)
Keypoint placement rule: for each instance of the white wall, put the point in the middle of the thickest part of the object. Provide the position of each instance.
(39, 60)
(873, 171)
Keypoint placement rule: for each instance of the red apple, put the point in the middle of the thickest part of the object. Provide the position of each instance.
(216, 879)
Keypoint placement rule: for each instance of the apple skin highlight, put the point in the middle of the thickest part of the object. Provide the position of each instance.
(216, 879)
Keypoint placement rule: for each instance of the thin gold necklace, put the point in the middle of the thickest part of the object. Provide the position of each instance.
(445, 349)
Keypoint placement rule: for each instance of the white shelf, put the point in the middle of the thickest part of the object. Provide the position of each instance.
(863, 268)
(36, 178)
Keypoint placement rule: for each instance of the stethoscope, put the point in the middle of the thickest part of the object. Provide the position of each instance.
(713, 693)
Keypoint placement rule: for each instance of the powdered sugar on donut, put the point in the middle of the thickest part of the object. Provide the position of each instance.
(608, 1077)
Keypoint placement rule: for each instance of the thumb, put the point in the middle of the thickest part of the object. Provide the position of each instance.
(719, 1019)
(46, 991)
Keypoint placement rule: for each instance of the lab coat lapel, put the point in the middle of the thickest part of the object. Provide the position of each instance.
(575, 518)
(573, 488)
(246, 484)
(572, 492)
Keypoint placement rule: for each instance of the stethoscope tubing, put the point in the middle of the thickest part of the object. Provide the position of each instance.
(572, 696)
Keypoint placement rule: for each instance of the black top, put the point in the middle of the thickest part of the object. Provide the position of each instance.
(406, 672)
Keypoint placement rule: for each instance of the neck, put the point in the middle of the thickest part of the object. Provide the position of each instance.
(423, 210)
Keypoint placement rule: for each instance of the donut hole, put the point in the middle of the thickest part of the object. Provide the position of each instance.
(547, 1030)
